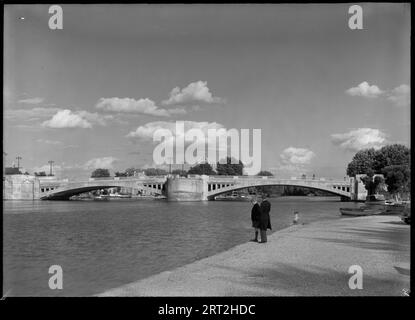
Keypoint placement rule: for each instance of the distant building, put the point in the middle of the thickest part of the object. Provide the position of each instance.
(139, 173)
(11, 170)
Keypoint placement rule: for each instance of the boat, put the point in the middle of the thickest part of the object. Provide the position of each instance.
(361, 211)
(101, 197)
(233, 197)
(388, 207)
(396, 208)
(375, 200)
(406, 213)
(120, 195)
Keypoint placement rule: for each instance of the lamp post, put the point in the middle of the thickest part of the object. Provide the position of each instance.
(18, 162)
(51, 162)
(4, 163)
(170, 163)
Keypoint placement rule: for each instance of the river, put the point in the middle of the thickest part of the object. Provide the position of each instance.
(105, 244)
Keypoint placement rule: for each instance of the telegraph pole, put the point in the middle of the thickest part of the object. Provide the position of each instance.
(18, 162)
(4, 163)
(51, 162)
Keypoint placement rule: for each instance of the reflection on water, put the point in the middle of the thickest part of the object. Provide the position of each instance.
(101, 245)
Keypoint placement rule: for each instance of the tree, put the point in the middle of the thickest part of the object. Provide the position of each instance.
(395, 154)
(361, 162)
(179, 172)
(120, 174)
(229, 168)
(100, 173)
(202, 168)
(155, 172)
(265, 173)
(391, 155)
(397, 179)
(295, 191)
(129, 172)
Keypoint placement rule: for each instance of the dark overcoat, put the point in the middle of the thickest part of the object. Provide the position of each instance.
(265, 220)
(255, 215)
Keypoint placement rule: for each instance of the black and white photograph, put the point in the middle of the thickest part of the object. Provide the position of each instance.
(206, 150)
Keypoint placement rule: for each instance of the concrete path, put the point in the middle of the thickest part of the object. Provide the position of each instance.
(304, 260)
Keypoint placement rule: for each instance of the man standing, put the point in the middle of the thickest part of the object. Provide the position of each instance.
(265, 220)
(255, 216)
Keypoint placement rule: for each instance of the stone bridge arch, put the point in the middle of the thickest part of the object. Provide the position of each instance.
(66, 190)
(341, 188)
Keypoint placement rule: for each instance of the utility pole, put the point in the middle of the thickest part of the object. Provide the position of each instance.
(4, 164)
(18, 162)
(51, 162)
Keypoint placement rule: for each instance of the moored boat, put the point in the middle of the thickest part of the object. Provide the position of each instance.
(394, 208)
(233, 197)
(375, 200)
(119, 195)
(101, 197)
(361, 211)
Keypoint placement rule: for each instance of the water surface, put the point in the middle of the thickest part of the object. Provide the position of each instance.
(105, 244)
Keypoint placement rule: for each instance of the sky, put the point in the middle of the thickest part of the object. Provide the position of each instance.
(92, 94)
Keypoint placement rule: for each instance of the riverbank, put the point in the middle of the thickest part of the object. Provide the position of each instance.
(302, 260)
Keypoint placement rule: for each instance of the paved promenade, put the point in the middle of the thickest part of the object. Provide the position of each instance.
(303, 260)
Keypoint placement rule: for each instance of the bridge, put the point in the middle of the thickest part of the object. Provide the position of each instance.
(218, 185)
(192, 188)
(64, 189)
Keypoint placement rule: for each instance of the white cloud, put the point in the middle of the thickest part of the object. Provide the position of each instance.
(104, 163)
(36, 100)
(143, 106)
(400, 96)
(76, 119)
(146, 131)
(365, 90)
(67, 119)
(28, 114)
(195, 92)
(180, 110)
(94, 117)
(294, 161)
(52, 142)
(296, 156)
(358, 139)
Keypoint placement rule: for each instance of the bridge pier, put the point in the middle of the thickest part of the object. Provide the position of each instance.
(20, 187)
(186, 189)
